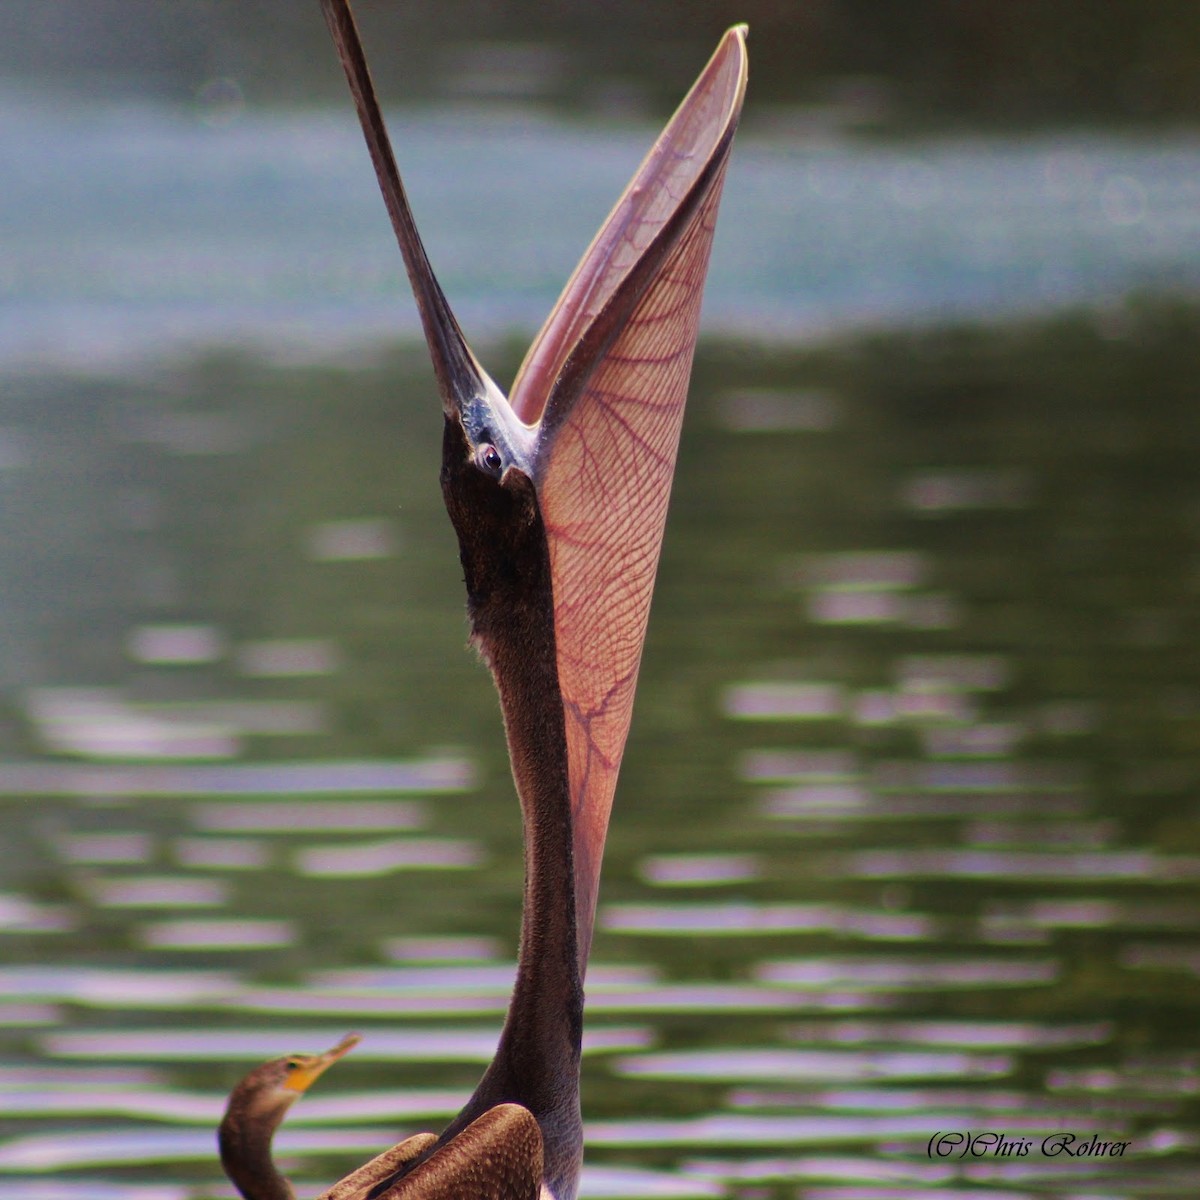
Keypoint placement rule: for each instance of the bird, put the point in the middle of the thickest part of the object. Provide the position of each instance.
(558, 495)
(257, 1107)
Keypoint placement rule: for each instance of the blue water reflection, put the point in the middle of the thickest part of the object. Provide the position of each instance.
(134, 231)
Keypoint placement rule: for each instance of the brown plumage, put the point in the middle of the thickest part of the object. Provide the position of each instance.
(559, 498)
(497, 1157)
(255, 1111)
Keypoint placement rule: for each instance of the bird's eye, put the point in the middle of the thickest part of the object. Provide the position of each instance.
(293, 1065)
(488, 460)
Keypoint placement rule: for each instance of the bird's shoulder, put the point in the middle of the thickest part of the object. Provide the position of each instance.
(497, 1157)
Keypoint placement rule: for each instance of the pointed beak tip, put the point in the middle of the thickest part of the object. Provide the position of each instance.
(345, 1045)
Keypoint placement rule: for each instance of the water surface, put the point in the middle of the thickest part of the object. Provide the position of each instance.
(132, 231)
(905, 845)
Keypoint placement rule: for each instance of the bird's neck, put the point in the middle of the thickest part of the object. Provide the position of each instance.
(537, 1061)
(245, 1147)
(506, 563)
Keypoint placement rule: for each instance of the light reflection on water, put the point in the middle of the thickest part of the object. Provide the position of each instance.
(425, 1044)
(874, 872)
(750, 920)
(135, 230)
(290, 779)
(820, 1066)
(381, 858)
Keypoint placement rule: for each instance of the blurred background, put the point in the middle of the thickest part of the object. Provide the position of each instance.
(983, 62)
(907, 839)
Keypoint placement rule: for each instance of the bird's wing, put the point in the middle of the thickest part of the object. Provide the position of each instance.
(611, 367)
(497, 1157)
(359, 1184)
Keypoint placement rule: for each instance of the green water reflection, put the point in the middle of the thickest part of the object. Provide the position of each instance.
(907, 837)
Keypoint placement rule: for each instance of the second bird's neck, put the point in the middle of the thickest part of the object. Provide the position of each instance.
(245, 1147)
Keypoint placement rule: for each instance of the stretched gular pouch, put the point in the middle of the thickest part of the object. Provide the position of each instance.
(605, 384)
(593, 419)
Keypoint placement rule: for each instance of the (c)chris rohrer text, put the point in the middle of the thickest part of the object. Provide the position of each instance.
(951, 1144)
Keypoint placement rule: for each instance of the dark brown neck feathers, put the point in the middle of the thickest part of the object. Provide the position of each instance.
(244, 1139)
(506, 564)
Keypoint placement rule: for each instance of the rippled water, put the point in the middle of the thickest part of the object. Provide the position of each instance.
(905, 848)
(132, 231)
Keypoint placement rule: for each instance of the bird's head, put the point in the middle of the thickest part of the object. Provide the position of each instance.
(268, 1091)
(563, 486)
